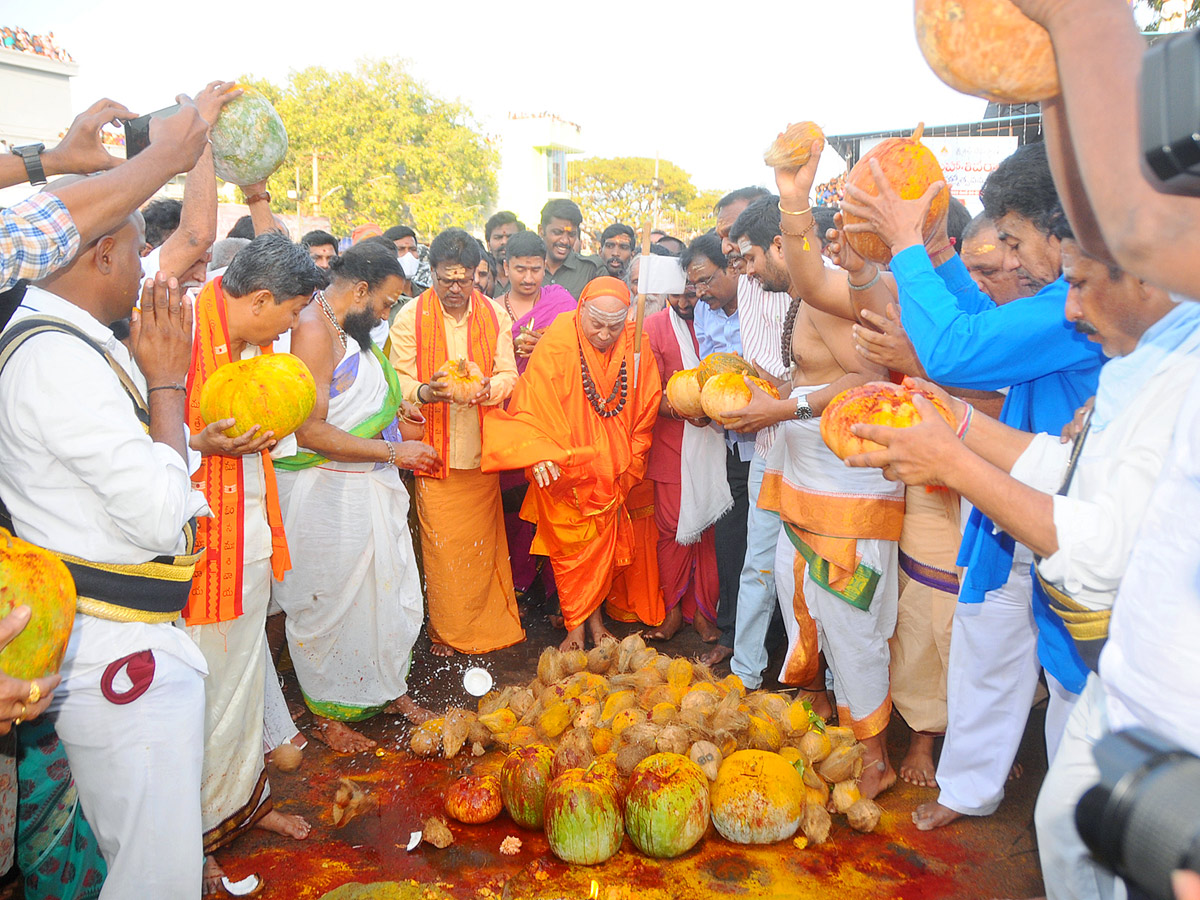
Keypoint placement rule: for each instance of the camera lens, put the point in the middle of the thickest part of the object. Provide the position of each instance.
(1143, 819)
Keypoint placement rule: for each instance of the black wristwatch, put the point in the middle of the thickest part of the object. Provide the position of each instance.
(32, 156)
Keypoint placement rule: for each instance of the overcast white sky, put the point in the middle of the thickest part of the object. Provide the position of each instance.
(705, 85)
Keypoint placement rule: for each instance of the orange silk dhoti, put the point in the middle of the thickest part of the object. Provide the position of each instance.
(469, 589)
(636, 595)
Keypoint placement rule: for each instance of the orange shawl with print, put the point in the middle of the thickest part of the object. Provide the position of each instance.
(483, 329)
(217, 587)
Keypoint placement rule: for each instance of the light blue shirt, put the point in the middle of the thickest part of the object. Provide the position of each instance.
(720, 332)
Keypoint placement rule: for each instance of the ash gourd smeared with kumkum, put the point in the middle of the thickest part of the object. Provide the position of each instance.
(36, 578)
(910, 167)
(624, 739)
(875, 403)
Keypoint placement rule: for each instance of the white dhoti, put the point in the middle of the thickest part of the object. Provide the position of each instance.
(353, 596)
(136, 758)
(234, 789)
(278, 725)
(991, 680)
(835, 569)
(855, 641)
(1068, 869)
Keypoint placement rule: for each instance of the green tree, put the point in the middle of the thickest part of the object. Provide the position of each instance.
(622, 190)
(1155, 7)
(388, 150)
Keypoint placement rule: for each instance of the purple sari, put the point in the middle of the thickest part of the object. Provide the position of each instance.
(554, 299)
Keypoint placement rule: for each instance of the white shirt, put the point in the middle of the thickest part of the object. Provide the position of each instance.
(81, 476)
(1150, 666)
(1097, 522)
(77, 470)
(762, 314)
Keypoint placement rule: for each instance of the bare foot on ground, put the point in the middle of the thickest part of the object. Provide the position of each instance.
(442, 650)
(876, 778)
(599, 633)
(557, 621)
(706, 628)
(340, 737)
(819, 701)
(667, 629)
(878, 774)
(929, 816)
(595, 627)
(573, 640)
(405, 706)
(281, 823)
(716, 655)
(918, 767)
(213, 873)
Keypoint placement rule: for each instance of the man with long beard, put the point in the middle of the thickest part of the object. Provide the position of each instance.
(353, 595)
(580, 421)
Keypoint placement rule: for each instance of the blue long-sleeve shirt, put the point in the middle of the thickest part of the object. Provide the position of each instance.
(963, 339)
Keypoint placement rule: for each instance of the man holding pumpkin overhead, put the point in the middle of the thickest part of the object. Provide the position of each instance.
(353, 596)
(580, 422)
(238, 316)
(835, 560)
(453, 352)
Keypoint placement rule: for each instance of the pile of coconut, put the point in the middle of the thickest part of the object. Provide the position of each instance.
(612, 709)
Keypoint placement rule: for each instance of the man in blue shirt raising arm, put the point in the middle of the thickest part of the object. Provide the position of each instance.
(964, 339)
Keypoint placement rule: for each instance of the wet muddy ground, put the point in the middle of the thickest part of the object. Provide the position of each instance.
(367, 859)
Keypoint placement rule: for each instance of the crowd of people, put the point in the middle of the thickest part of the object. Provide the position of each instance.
(41, 44)
(491, 423)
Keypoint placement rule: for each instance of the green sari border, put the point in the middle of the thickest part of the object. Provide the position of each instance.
(858, 593)
(367, 429)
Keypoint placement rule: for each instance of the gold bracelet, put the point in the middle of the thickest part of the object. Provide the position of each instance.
(788, 212)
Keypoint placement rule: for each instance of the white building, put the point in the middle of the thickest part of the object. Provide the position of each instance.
(37, 97)
(533, 162)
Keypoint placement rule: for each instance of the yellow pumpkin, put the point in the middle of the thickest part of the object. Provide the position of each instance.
(274, 391)
(910, 167)
(758, 798)
(33, 577)
(988, 48)
(793, 148)
(683, 393)
(728, 392)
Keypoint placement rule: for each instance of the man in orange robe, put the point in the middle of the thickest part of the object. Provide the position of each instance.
(580, 422)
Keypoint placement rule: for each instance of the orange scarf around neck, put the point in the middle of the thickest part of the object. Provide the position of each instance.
(483, 328)
(217, 587)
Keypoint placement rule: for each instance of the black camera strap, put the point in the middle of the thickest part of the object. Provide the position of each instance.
(15, 337)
